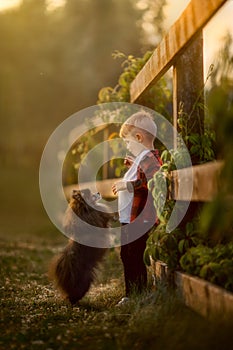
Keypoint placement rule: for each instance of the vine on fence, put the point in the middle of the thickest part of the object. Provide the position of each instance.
(214, 261)
(158, 97)
(200, 144)
(170, 247)
(205, 247)
(161, 245)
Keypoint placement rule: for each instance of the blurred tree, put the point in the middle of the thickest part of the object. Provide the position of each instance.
(53, 63)
(151, 21)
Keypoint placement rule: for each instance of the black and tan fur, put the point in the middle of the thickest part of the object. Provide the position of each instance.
(74, 269)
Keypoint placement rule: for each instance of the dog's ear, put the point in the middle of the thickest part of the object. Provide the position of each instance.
(75, 194)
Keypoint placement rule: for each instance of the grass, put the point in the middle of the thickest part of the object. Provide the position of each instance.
(33, 316)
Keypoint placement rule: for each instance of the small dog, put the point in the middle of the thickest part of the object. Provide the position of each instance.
(74, 269)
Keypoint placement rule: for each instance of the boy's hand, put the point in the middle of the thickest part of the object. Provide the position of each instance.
(128, 161)
(119, 186)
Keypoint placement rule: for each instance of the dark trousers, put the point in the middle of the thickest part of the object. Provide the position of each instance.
(135, 272)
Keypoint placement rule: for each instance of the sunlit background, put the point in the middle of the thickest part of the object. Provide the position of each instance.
(214, 31)
(55, 57)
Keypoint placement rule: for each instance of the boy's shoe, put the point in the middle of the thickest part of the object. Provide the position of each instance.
(123, 301)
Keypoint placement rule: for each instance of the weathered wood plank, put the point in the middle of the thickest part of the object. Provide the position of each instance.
(203, 297)
(202, 178)
(188, 92)
(193, 19)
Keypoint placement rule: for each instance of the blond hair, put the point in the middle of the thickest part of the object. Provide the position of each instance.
(139, 122)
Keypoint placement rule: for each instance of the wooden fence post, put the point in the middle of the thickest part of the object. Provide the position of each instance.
(188, 92)
(188, 87)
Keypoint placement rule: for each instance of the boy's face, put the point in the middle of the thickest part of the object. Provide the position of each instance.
(133, 144)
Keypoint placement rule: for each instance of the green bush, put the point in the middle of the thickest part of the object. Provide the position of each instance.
(213, 264)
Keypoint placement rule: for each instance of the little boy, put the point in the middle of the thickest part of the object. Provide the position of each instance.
(135, 203)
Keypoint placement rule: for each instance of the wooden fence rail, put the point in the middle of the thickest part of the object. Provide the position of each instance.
(203, 179)
(194, 18)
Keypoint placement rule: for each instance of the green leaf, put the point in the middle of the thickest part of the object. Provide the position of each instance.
(155, 253)
(181, 246)
(189, 228)
(146, 257)
(150, 184)
(194, 138)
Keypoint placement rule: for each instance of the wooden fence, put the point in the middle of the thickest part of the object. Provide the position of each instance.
(182, 49)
